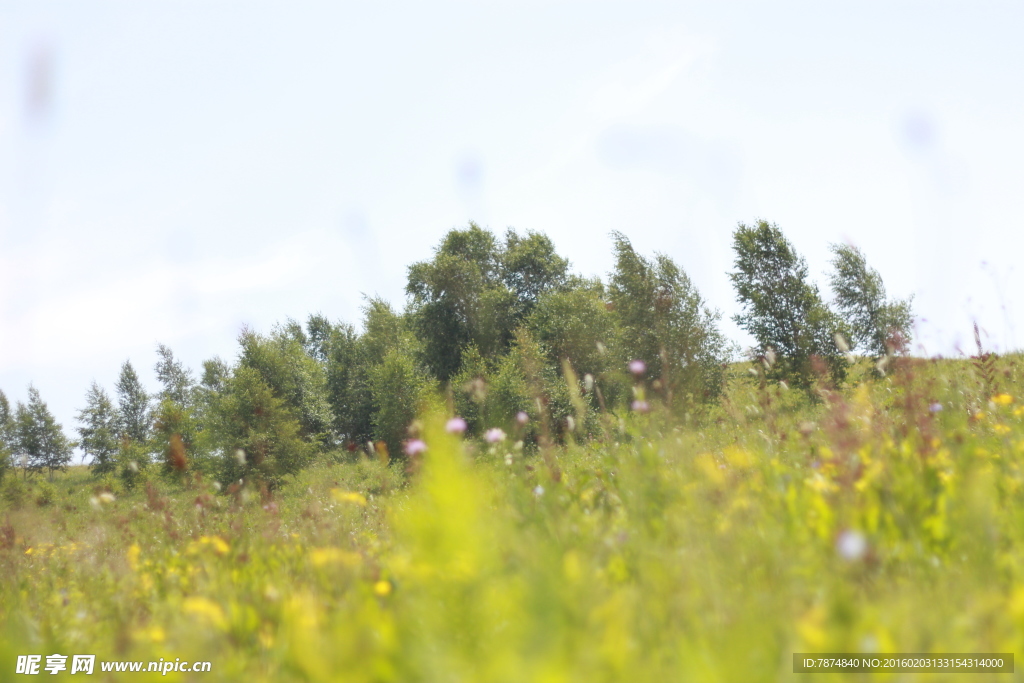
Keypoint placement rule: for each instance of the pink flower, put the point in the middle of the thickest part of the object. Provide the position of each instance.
(494, 435)
(641, 406)
(456, 425)
(637, 367)
(414, 447)
(522, 418)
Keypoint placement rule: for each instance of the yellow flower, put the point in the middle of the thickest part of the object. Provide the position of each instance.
(133, 556)
(207, 609)
(323, 556)
(348, 497)
(219, 545)
(382, 588)
(1001, 429)
(1002, 399)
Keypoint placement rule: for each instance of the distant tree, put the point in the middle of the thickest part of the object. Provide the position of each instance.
(400, 390)
(476, 291)
(664, 322)
(530, 267)
(38, 436)
(135, 417)
(348, 384)
(257, 432)
(877, 325)
(177, 380)
(574, 323)
(781, 308)
(6, 434)
(297, 379)
(98, 429)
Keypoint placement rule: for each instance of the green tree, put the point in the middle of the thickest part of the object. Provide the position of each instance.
(575, 324)
(400, 390)
(781, 308)
(177, 380)
(257, 431)
(477, 291)
(348, 387)
(877, 325)
(98, 429)
(38, 436)
(6, 434)
(134, 413)
(294, 377)
(664, 322)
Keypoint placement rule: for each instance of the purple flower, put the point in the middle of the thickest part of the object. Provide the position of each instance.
(935, 407)
(637, 367)
(641, 406)
(456, 425)
(494, 435)
(414, 447)
(522, 418)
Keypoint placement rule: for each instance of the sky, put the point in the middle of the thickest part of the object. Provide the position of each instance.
(173, 171)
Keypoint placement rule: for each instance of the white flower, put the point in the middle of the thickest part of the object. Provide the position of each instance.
(851, 545)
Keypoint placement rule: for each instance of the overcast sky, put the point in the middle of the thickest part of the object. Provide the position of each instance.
(170, 171)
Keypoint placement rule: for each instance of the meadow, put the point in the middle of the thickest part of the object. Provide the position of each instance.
(885, 516)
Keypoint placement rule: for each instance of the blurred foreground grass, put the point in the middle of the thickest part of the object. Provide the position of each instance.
(884, 518)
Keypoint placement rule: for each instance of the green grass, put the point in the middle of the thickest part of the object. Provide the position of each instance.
(710, 551)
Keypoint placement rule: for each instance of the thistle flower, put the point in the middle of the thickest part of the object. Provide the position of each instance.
(637, 367)
(414, 447)
(641, 406)
(456, 425)
(494, 435)
(522, 418)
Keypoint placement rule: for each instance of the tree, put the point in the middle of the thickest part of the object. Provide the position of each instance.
(294, 377)
(98, 429)
(177, 380)
(6, 434)
(876, 325)
(664, 322)
(782, 309)
(400, 390)
(477, 291)
(38, 437)
(257, 431)
(134, 414)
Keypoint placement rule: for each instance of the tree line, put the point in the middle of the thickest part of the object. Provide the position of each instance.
(498, 328)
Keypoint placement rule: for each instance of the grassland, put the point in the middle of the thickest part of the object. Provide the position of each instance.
(885, 517)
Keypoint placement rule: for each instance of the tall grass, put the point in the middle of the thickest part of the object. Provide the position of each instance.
(886, 517)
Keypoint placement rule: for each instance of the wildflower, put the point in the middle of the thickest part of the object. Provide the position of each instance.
(456, 425)
(414, 447)
(207, 609)
(348, 497)
(1002, 399)
(382, 588)
(522, 418)
(637, 367)
(851, 545)
(935, 407)
(538, 490)
(641, 406)
(494, 435)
